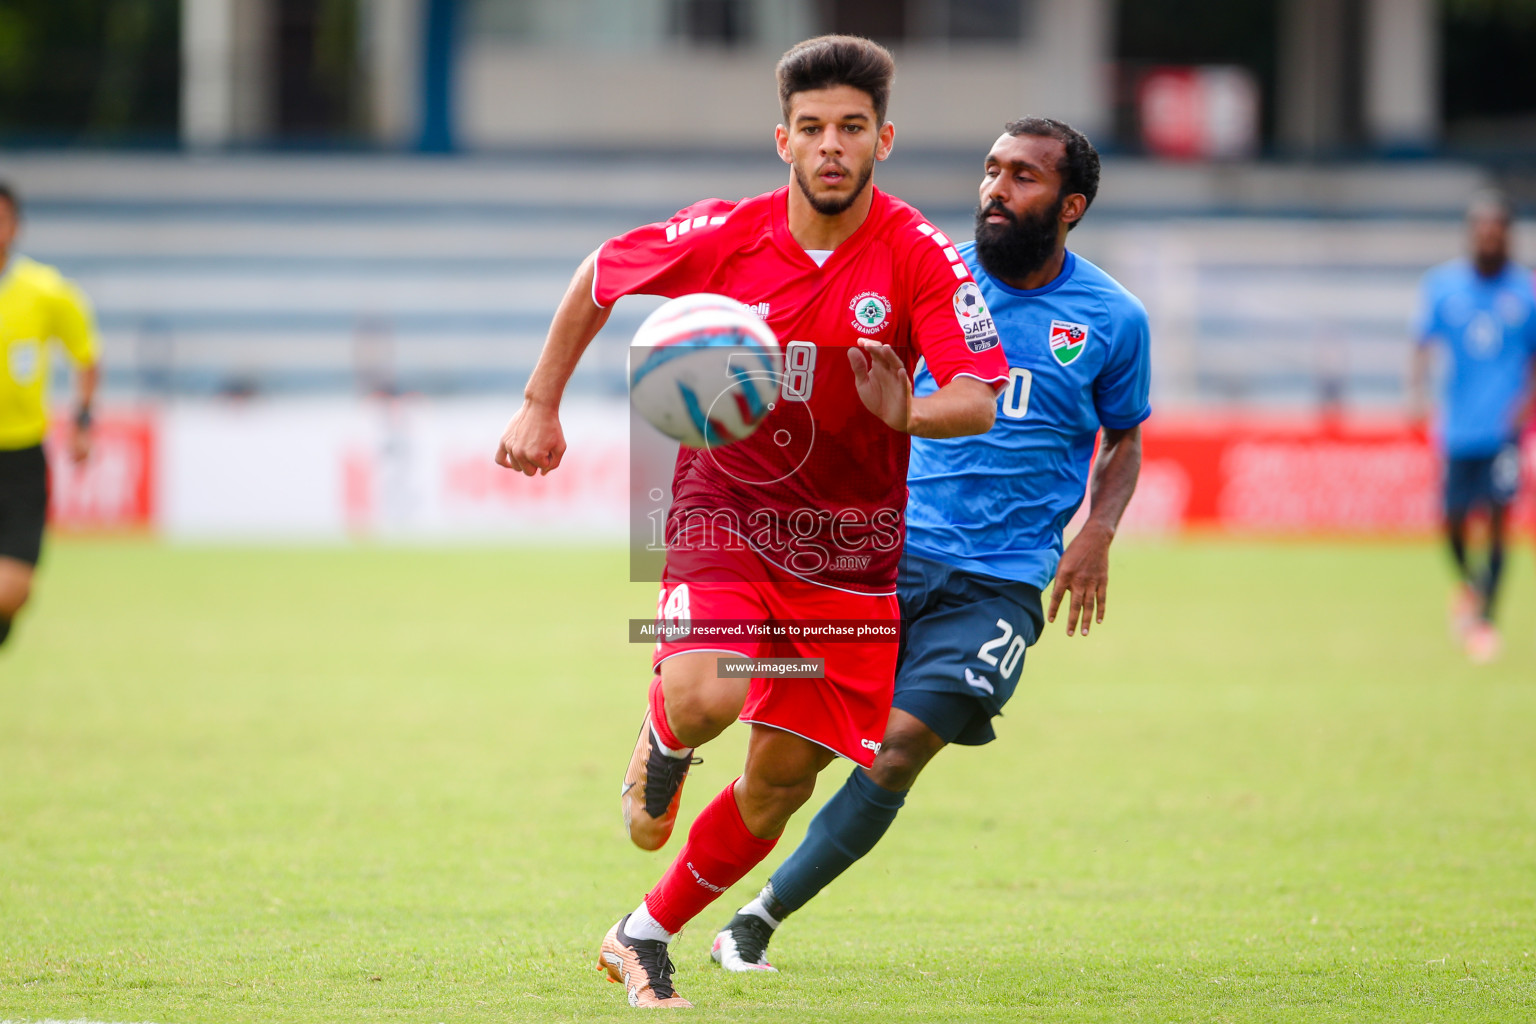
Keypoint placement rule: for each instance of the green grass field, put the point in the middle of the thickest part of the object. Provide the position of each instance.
(380, 785)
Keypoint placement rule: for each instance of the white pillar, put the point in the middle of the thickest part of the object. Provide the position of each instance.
(391, 47)
(224, 73)
(1073, 40)
(1402, 73)
(207, 50)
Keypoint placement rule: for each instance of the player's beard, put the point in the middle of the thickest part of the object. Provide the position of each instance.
(1020, 247)
(831, 206)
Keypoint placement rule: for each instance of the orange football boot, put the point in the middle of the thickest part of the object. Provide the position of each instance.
(643, 967)
(653, 788)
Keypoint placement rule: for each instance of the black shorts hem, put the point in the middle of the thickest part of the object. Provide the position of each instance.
(23, 503)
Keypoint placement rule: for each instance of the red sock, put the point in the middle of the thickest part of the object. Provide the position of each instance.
(659, 718)
(719, 852)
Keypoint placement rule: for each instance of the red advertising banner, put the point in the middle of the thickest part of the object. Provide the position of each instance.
(1299, 476)
(1232, 474)
(112, 490)
(1199, 113)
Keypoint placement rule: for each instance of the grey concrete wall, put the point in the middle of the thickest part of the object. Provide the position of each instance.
(513, 96)
(631, 88)
(306, 274)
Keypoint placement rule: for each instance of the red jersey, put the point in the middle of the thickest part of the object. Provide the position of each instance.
(820, 489)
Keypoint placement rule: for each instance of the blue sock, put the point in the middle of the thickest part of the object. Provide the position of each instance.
(846, 828)
(1488, 586)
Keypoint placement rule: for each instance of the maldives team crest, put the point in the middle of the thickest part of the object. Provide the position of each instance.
(1068, 341)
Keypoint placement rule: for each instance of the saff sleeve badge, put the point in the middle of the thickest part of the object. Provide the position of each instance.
(1068, 341)
(975, 318)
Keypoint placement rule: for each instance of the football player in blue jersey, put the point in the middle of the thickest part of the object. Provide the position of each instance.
(985, 514)
(1482, 312)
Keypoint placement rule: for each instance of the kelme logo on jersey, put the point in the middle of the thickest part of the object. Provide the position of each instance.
(870, 311)
(1067, 341)
(975, 318)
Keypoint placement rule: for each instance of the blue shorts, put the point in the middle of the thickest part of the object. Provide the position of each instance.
(963, 638)
(1482, 481)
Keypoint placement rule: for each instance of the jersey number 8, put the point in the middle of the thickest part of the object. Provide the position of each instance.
(799, 370)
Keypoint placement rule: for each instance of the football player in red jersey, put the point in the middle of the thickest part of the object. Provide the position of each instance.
(803, 519)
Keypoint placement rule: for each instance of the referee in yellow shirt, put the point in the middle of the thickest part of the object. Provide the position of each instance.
(37, 306)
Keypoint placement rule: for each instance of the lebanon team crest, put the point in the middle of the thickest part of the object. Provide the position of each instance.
(870, 311)
(1068, 341)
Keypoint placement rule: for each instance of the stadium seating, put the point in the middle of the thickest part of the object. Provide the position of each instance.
(268, 274)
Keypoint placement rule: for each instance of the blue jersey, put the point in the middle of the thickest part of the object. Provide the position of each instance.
(996, 503)
(1488, 327)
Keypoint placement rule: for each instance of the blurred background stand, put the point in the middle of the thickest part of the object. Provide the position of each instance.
(316, 200)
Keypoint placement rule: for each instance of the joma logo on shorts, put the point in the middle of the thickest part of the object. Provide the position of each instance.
(702, 881)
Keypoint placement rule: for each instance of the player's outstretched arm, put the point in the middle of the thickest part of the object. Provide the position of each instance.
(963, 406)
(86, 379)
(1418, 386)
(1084, 568)
(74, 324)
(1526, 410)
(533, 441)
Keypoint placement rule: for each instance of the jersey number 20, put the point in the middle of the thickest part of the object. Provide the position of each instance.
(1012, 656)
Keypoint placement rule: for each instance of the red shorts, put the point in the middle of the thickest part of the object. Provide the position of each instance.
(847, 710)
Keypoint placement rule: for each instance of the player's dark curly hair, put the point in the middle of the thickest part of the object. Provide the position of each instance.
(829, 61)
(1079, 168)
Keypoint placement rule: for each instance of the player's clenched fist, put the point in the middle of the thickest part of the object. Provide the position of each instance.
(533, 441)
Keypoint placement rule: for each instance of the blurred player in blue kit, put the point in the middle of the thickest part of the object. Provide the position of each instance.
(986, 513)
(1482, 312)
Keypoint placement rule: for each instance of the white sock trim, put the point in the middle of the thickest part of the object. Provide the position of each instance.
(641, 925)
(676, 755)
(756, 909)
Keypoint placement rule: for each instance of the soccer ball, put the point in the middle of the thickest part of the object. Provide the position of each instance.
(704, 370)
